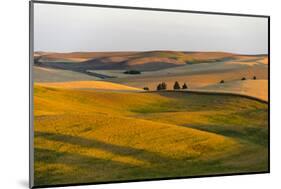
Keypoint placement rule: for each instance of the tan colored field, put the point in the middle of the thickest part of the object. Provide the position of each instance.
(150, 60)
(219, 66)
(255, 88)
(259, 58)
(88, 85)
(118, 55)
(194, 81)
(264, 60)
(76, 56)
(207, 76)
(205, 56)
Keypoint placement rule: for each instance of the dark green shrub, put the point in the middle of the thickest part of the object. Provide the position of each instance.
(132, 72)
(184, 86)
(146, 88)
(177, 86)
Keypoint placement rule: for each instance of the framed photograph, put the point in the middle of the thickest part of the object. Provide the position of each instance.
(122, 94)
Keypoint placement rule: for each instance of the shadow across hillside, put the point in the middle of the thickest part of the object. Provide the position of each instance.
(139, 154)
(82, 167)
(75, 67)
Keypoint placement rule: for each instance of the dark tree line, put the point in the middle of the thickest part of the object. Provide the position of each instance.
(163, 86)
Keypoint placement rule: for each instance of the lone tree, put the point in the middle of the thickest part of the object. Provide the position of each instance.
(222, 81)
(243, 78)
(146, 88)
(164, 85)
(184, 86)
(177, 85)
(254, 78)
(159, 87)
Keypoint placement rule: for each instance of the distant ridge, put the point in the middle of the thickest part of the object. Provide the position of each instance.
(143, 61)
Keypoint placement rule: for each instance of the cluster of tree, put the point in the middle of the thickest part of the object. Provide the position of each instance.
(243, 78)
(132, 72)
(177, 86)
(161, 86)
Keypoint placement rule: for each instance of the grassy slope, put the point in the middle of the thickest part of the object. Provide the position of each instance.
(90, 136)
(89, 85)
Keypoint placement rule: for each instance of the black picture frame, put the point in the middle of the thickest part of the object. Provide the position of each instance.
(31, 62)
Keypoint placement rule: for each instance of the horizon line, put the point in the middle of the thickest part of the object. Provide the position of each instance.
(135, 51)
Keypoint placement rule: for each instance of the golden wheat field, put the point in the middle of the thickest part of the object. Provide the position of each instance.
(89, 85)
(84, 135)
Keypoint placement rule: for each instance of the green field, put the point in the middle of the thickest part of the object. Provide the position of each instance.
(84, 136)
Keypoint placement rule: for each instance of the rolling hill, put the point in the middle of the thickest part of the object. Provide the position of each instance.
(144, 61)
(200, 70)
(45, 74)
(94, 123)
(103, 85)
(87, 135)
(255, 88)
